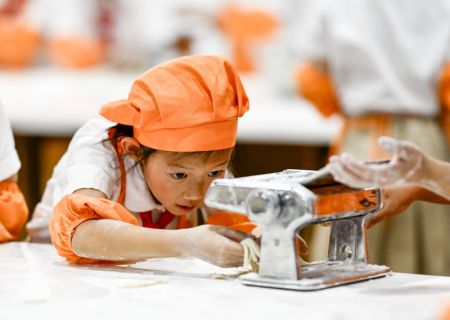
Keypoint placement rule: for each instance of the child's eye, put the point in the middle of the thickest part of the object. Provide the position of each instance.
(215, 173)
(178, 175)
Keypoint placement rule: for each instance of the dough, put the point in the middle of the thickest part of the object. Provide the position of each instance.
(251, 255)
(144, 283)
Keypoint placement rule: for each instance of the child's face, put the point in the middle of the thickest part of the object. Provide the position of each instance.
(180, 181)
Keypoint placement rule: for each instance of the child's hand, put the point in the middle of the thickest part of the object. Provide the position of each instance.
(216, 245)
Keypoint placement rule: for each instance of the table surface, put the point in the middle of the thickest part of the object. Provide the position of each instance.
(35, 283)
(53, 102)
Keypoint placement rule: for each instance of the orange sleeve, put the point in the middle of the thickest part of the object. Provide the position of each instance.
(19, 43)
(76, 52)
(244, 27)
(75, 209)
(317, 87)
(446, 312)
(444, 86)
(444, 97)
(231, 220)
(13, 211)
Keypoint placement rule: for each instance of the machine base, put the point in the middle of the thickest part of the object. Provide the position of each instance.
(316, 276)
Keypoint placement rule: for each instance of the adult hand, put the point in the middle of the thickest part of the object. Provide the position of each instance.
(405, 167)
(395, 201)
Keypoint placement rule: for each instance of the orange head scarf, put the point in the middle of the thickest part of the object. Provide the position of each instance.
(185, 105)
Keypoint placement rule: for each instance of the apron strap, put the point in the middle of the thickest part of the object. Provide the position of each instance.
(123, 176)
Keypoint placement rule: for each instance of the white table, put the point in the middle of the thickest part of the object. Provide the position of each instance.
(35, 283)
(53, 102)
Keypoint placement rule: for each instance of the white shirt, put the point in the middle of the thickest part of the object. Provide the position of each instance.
(9, 160)
(383, 55)
(91, 162)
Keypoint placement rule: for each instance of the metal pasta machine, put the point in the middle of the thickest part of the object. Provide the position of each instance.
(285, 202)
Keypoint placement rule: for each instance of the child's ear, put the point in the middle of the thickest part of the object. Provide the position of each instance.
(131, 147)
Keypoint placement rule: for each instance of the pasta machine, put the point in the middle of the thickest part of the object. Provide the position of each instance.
(284, 203)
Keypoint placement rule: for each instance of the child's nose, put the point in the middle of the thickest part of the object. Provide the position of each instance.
(195, 192)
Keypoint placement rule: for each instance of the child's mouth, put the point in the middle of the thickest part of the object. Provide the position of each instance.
(185, 209)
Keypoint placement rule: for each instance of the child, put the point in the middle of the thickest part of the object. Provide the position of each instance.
(13, 208)
(129, 189)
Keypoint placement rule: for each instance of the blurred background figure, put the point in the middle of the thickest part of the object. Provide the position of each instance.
(135, 33)
(20, 36)
(34, 32)
(380, 64)
(74, 32)
(127, 34)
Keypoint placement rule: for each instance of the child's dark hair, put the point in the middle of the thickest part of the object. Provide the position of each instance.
(120, 130)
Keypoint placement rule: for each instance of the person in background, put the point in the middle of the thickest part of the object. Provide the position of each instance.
(48, 31)
(73, 33)
(129, 34)
(13, 208)
(131, 184)
(77, 34)
(20, 35)
(383, 66)
(408, 169)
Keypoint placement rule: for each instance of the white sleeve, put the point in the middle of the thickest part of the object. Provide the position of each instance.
(310, 32)
(9, 160)
(70, 17)
(90, 161)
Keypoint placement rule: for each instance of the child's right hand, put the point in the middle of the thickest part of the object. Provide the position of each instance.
(216, 245)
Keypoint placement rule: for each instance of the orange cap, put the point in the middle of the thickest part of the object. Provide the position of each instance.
(185, 105)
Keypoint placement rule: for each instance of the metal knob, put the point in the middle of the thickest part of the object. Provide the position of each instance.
(263, 206)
